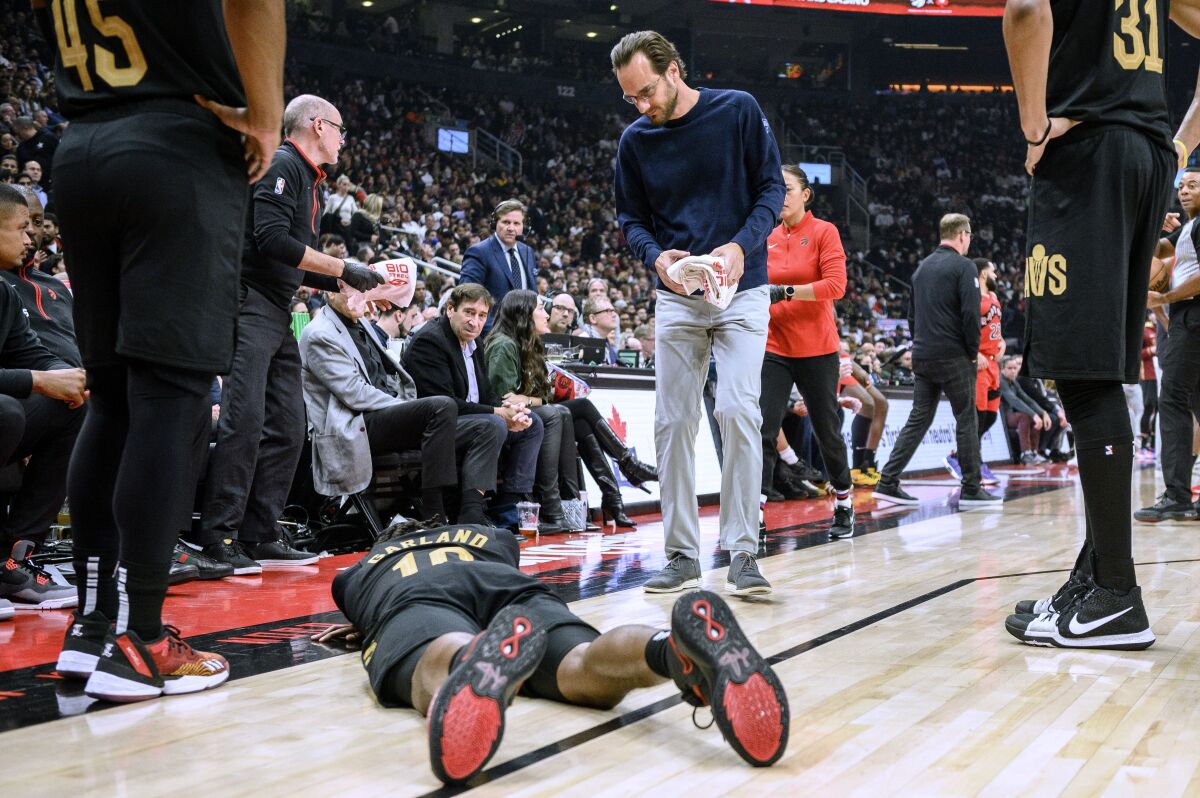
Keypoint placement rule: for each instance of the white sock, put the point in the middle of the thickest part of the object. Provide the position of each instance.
(843, 502)
(788, 456)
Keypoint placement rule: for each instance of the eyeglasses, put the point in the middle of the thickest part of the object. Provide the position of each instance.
(644, 94)
(343, 131)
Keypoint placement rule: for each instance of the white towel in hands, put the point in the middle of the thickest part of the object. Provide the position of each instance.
(704, 273)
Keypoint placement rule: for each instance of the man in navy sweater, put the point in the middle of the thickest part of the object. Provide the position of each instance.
(699, 173)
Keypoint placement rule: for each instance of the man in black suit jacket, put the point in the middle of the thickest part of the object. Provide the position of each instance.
(502, 263)
(438, 357)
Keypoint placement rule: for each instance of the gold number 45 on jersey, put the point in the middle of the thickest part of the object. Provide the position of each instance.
(1129, 48)
(74, 50)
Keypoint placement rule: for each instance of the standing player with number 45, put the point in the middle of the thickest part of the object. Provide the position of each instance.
(175, 108)
(1092, 98)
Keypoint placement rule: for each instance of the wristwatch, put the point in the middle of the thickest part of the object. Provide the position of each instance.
(789, 291)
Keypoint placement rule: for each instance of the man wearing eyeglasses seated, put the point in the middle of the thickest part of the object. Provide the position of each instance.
(261, 430)
(600, 321)
(562, 314)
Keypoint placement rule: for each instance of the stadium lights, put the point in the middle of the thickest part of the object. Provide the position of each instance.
(367, 3)
(591, 34)
(476, 20)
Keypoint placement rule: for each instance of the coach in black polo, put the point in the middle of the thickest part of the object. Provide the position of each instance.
(261, 430)
(944, 318)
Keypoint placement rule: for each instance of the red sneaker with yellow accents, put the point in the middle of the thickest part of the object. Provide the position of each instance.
(466, 717)
(131, 670)
(718, 664)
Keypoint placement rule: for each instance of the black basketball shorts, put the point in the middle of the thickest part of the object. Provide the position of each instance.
(152, 206)
(1096, 207)
(392, 655)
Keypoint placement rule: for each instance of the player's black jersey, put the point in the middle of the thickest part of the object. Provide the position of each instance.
(109, 52)
(1106, 64)
(429, 567)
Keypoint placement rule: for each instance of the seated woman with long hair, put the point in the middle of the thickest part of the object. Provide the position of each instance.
(516, 366)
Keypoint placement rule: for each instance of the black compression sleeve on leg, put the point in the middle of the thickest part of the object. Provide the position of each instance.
(658, 649)
(860, 428)
(91, 479)
(986, 419)
(168, 411)
(1104, 446)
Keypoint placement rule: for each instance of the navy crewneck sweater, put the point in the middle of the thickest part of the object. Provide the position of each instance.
(708, 178)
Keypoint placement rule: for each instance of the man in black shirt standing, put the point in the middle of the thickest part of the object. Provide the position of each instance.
(261, 430)
(150, 186)
(944, 319)
(1089, 80)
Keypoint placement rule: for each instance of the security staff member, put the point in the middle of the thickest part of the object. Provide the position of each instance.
(261, 429)
(944, 319)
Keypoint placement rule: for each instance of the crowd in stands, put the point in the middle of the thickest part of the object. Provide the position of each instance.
(393, 193)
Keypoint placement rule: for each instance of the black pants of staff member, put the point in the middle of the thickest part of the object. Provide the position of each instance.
(816, 378)
(1177, 395)
(956, 378)
(426, 424)
(1149, 411)
(261, 429)
(44, 430)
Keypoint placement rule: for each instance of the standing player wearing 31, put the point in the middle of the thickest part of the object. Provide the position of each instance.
(699, 172)
(451, 628)
(171, 105)
(1091, 94)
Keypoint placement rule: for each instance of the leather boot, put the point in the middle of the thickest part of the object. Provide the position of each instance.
(634, 470)
(610, 495)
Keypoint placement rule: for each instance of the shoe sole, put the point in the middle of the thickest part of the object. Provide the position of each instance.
(840, 533)
(111, 687)
(980, 502)
(747, 699)
(756, 590)
(46, 604)
(285, 563)
(883, 497)
(1134, 641)
(687, 584)
(1171, 516)
(76, 664)
(466, 716)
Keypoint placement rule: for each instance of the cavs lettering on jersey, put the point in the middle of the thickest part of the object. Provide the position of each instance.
(989, 325)
(122, 51)
(1045, 272)
(1106, 65)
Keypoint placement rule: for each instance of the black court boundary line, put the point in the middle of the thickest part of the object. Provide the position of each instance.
(641, 713)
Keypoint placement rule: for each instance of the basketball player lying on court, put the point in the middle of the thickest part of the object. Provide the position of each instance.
(450, 627)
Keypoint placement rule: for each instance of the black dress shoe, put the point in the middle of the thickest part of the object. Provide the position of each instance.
(182, 571)
(207, 567)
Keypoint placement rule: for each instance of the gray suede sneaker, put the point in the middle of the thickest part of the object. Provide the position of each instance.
(681, 573)
(744, 578)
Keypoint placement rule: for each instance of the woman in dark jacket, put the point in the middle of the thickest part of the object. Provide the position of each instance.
(516, 366)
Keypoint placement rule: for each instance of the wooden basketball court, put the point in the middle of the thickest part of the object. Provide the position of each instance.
(901, 678)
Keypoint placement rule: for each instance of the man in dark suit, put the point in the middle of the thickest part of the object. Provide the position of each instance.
(444, 360)
(502, 263)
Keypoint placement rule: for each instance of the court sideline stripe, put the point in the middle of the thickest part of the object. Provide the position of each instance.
(629, 718)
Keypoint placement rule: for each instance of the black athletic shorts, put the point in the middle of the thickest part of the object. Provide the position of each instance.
(152, 206)
(1096, 207)
(391, 654)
